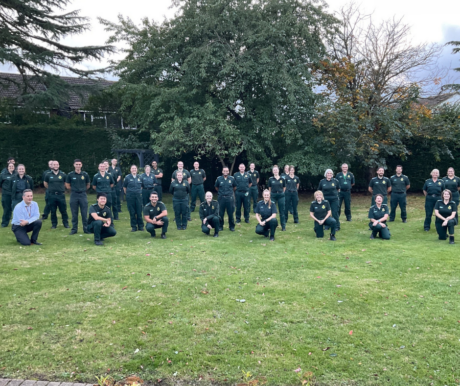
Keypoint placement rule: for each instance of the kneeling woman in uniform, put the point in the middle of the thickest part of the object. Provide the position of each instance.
(445, 211)
(209, 215)
(378, 215)
(266, 216)
(320, 211)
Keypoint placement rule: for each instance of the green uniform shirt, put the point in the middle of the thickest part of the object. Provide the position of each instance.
(254, 177)
(179, 190)
(277, 186)
(451, 184)
(156, 172)
(264, 211)
(185, 174)
(209, 211)
(329, 188)
(133, 184)
(320, 209)
(376, 214)
(152, 211)
(380, 185)
(345, 180)
(399, 183)
(115, 172)
(6, 182)
(242, 181)
(197, 176)
(56, 182)
(148, 181)
(225, 185)
(102, 183)
(291, 183)
(77, 181)
(45, 173)
(21, 184)
(433, 188)
(104, 212)
(445, 210)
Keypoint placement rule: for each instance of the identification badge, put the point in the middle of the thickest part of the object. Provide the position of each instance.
(345, 183)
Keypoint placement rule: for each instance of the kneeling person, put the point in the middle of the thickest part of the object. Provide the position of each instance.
(209, 215)
(320, 211)
(445, 211)
(155, 215)
(378, 215)
(100, 220)
(266, 216)
(26, 218)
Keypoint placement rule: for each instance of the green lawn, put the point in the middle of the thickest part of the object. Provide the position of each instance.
(352, 312)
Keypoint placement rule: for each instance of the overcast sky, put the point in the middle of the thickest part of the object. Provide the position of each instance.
(431, 21)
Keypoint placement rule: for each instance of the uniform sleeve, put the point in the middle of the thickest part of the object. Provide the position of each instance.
(407, 181)
(125, 182)
(320, 186)
(68, 179)
(425, 186)
(188, 187)
(269, 183)
(155, 181)
(352, 179)
(30, 180)
(216, 184)
(389, 183)
(257, 208)
(171, 189)
(217, 209)
(109, 212)
(436, 206)
(454, 206)
(337, 184)
(250, 179)
(443, 185)
(328, 206)
(91, 210)
(284, 182)
(87, 180)
(146, 210)
(274, 210)
(371, 213)
(47, 177)
(371, 184)
(202, 216)
(204, 173)
(112, 180)
(234, 182)
(312, 209)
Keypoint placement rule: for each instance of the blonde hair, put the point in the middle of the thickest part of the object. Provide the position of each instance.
(318, 193)
(434, 170)
(270, 200)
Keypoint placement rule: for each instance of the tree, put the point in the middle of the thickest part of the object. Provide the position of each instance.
(30, 34)
(224, 77)
(455, 50)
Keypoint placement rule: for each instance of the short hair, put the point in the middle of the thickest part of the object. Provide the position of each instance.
(22, 165)
(446, 190)
(252, 163)
(209, 192)
(77, 160)
(242, 163)
(434, 170)
(398, 166)
(153, 193)
(344, 164)
(114, 159)
(327, 171)
(275, 166)
(318, 193)
(147, 166)
(26, 191)
(225, 167)
(132, 167)
(10, 159)
(380, 167)
(378, 195)
(101, 194)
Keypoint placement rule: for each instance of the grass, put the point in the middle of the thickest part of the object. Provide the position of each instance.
(352, 312)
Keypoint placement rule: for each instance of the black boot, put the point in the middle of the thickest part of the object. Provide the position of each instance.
(332, 238)
(451, 240)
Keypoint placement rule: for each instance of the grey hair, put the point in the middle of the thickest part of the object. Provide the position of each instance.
(327, 171)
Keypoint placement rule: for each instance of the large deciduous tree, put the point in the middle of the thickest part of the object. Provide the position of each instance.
(225, 77)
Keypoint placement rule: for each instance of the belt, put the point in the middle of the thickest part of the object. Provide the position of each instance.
(78, 192)
(344, 190)
(434, 195)
(56, 193)
(292, 191)
(399, 192)
(197, 184)
(226, 195)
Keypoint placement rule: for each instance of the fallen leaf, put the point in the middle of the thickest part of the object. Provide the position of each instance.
(351, 332)
(124, 288)
(325, 349)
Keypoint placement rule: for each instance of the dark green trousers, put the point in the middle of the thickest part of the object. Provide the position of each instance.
(164, 228)
(113, 196)
(280, 199)
(242, 199)
(292, 201)
(58, 201)
(385, 200)
(319, 229)
(16, 199)
(197, 191)
(159, 190)
(118, 202)
(146, 196)
(134, 203)
(254, 195)
(456, 199)
(345, 198)
(226, 203)
(47, 209)
(395, 200)
(7, 209)
(268, 228)
(442, 231)
(430, 202)
(384, 233)
(334, 202)
(79, 203)
(215, 224)
(181, 211)
(101, 232)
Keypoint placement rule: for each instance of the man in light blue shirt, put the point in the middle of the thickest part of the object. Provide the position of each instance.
(26, 218)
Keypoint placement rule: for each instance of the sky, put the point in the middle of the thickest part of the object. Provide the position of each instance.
(431, 21)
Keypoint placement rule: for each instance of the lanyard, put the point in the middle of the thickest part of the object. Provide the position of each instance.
(29, 210)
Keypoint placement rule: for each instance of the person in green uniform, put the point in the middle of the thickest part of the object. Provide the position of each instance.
(148, 180)
(209, 215)
(292, 194)
(452, 183)
(321, 213)
(187, 177)
(46, 210)
(277, 186)
(9, 161)
(103, 183)
(156, 216)
(254, 189)
(243, 184)
(158, 173)
(445, 211)
(225, 186)
(116, 173)
(284, 175)
(78, 183)
(6, 183)
(198, 177)
(400, 184)
(432, 190)
(266, 216)
(132, 187)
(55, 183)
(346, 182)
(380, 185)
(21, 182)
(378, 215)
(100, 220)
(180, 189)
(331, 188)
(113, 191)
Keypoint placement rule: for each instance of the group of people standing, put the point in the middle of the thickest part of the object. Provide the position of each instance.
(234, 194)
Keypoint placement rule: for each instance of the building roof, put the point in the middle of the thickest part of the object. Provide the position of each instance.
(436, 100)
(10, 88)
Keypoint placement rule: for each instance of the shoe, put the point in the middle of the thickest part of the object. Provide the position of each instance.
(291, 212)
(372, 237)
(238, 221)
(337, 229)
(232, 229)
(184, 228)
(283, 228)
(296, 221)
(37, 243)
(221, 229)
(53, 227)
(189, 219)
(391, 220)
(163, 235)
(66, 226)
(326, 228)
(216, 235)
(99, 243)
(427, 230)
(266, 234)
(348, 219)
(116, 218)
(119, 211)
(86, 232)
(152, 235)
(451, 240)
(179, 228)
(332, 238)
(72, 232)
(4, 226)
(246, 221)
(272, 238)
(404, 221)
(133, 229)
(141, 229)
(44, 217)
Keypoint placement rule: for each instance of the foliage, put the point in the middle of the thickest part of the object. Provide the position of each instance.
(455, 50)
